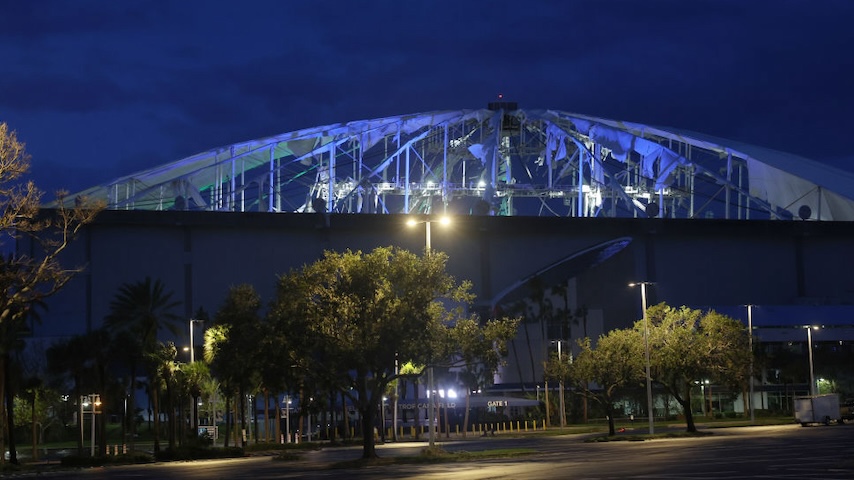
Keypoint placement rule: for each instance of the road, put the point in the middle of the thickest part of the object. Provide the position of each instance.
(784, 452)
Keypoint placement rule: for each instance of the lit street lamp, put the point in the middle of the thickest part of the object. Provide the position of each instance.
(93, 401)
(646, 350)
(810, 328)
(287, 402)
(412, 222)
(194, 408)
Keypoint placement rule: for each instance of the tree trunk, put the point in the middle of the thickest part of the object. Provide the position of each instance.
(368, 444)
(333, 434)
(2, 407)
(466, 416)
(34, 427)
(417, 417)
(254, 421)
(156, 405)
(277, 424)
(345, 417)
(686, 408)
(227, 423)
(266, 417)
(609, 409)
(242, 415)
(8, 397)
(447, 421)
(235, 416)
(131, 410)
(195, 407)
(170, 415)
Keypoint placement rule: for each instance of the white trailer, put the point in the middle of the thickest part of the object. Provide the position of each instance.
(818, 409)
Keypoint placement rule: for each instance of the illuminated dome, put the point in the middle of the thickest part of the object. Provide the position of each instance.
(501, 160)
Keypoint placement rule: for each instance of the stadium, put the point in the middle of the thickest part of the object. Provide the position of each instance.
(540, 199)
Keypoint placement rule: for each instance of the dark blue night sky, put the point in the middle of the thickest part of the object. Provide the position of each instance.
(100, 89)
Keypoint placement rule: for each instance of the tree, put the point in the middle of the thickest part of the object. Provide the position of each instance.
(195, 375)
(360, 311)
(28, 277)
(688, 345)
(232, 348)
(163, 379)
(216, 353)
(603, 373)
(138, 312)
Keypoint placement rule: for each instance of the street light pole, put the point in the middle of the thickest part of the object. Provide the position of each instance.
(430, 421)
(94, 401)
(287, 419)
(396, 395)
(193, 407)
(812, 372)
(750, 346)
(192, 343)
(646, 352)
(83, 399)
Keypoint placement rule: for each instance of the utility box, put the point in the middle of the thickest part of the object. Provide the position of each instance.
(818, 409)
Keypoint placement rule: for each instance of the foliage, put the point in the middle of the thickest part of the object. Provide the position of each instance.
(685, 346)
(138, 313)
(355, 313)
(231, 345)
(688, 345)
(143, 309)
(604, 372)
(29, 276)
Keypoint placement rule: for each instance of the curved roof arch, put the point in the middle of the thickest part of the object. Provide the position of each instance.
(501, 160)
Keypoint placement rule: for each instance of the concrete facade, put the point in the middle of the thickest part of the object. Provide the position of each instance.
(199, 255)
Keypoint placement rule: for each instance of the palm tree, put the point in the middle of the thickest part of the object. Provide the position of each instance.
(141, 310)
(164, 368)
(195, 375)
